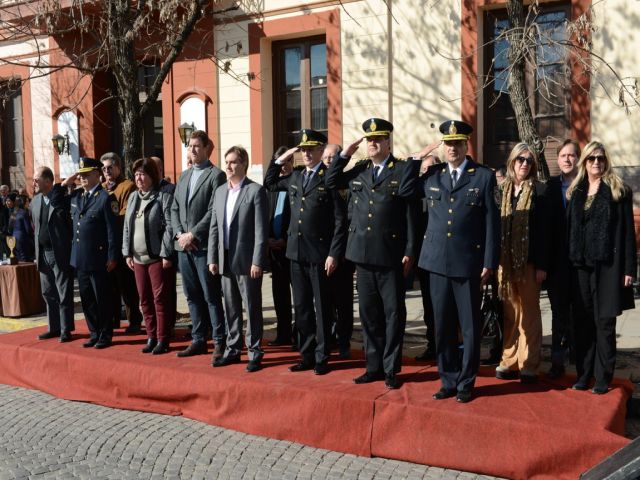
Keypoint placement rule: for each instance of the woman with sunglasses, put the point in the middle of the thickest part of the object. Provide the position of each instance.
(525, 247)
(602, 250)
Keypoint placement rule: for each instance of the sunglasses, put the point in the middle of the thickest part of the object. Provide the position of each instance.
(593, 158)
(522, 159)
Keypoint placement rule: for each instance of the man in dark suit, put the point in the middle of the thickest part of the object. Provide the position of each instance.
(460, 252)
(190, 219)
(381, 243)
(50, 211)
(279, 218)
(238, 251)
(94, 250)
(317, 238)
(559, 275)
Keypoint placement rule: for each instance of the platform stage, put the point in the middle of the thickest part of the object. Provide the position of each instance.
(508, 430)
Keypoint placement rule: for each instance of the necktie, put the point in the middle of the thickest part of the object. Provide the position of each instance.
(454, 178)
(376, 172)
(307, 177)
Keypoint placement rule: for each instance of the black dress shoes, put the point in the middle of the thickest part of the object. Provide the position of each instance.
(391, 382)
(48, 335)
(100, 344)
(600, 388)
(151, 344)
(321, 368)
(254, 366)
(555, 372)
(368, 377)
(427, 356)
(581, 385)
(464, 396)
(65, 337)
(300, 367)
(224, 361)
(90, 343)
(160, 348)
(444, 393)
(506, 374)
(198, 348)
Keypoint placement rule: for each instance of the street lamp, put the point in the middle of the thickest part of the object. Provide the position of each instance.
(185, 130)
(61, 143)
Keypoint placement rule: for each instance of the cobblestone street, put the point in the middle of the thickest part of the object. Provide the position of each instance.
(47, 438)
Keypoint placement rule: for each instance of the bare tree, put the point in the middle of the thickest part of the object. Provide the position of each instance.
(116, 36)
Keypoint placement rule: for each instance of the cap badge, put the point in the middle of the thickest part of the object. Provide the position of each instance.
(304, 137)
(373, 126)
(452, 129)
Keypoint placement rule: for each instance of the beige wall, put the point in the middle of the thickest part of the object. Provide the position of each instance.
(41, 117)
(617, 40)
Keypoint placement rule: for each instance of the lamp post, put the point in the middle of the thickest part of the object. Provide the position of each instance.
(185, 130)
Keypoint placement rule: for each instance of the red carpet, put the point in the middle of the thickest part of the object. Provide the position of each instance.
(544, 431)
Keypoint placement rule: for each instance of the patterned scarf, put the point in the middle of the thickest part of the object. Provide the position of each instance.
(515, 235)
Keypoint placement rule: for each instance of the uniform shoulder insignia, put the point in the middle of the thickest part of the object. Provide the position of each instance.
(401, 159)
(115, 208)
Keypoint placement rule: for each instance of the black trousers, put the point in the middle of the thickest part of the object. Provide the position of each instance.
(427, 308)
(281, 290)
(595, 336)
(56, 283)
(559, 290)
(313, 310)
(96, 299)
(341, 287)
(458, 370)
(383, 314)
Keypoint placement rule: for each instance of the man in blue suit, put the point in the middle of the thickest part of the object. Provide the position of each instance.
(94, 249)
(460, 251)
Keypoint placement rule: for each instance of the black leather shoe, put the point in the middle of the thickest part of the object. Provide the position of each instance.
(600, 388)
(464, 396)
(580, 385)
(100, 344)
(224, 361)
(427, 356)
(254, 366)
(199, 348)
(160, 348)
(391, 382)
(527, 379)
(321, 368)
(151, 344)
(133, 329)
(368, 377)
(555, 372)
(300, 367)
(444, 393)
(65, 337)
(506, 374)
(48, 335)
(90, 344)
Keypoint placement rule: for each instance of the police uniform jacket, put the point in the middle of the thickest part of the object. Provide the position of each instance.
(195, 215)
(94, 229)
(463, 231)
(317, 228)
(382, 216)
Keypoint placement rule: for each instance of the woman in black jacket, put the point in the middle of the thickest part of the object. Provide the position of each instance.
(524, 258)
(147, 246)
(602, 250)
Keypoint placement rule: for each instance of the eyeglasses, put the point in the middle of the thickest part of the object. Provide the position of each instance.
(593, 158)
(522, 159)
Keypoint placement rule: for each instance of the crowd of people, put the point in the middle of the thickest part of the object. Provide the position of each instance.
(457, 225)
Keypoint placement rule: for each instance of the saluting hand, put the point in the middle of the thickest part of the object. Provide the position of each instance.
(70, 180)
(426, 150)
(286, 155)
(351, 149)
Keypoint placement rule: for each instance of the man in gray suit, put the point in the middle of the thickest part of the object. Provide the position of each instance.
(51, 216)
(238, 250)
(190, 219)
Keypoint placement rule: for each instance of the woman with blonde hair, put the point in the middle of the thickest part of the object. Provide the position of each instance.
(525, 246)
(602, 251)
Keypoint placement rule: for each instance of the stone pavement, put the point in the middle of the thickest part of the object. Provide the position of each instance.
(47, 438)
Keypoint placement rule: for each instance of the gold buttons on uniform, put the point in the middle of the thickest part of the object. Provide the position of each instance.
(449, 222)
(449, 234)
(368, 228)
(450, 210)
(302, 209)
(370, 215)
(452, 199)
(299, 221)
(370, 202)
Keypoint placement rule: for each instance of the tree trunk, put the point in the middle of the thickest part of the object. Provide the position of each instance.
(517, 84)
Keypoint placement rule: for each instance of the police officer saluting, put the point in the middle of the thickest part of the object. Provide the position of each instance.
(380, 243)
(460, 252)
(316, 240)
(94, 249)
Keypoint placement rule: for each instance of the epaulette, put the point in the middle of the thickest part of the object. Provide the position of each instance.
(400, 159)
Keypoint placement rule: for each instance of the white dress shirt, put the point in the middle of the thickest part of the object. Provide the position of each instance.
(232, 198)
